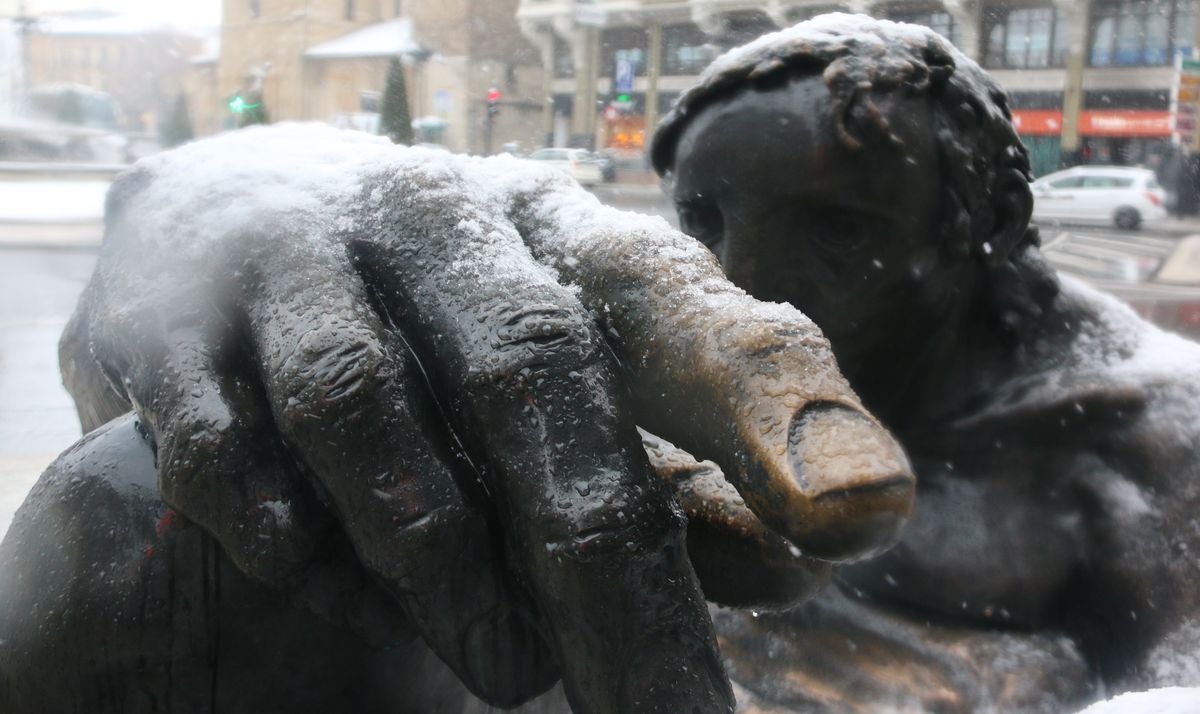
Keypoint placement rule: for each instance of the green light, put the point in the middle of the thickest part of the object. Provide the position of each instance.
(237, 105)
(624, 98)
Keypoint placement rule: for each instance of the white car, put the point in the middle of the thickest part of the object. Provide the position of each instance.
(1109, 195)
(578, 163)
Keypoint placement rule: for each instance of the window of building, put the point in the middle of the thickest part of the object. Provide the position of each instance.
(939, 21)
(1026, 38)
(564, 61)
(370, 100)
(685, 49)
(623, 43)
(1184, 27)
(1140, 32)
(798, 14)
(349, 10)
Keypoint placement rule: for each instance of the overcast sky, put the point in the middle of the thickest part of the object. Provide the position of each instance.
(182, 12)
(187, 13)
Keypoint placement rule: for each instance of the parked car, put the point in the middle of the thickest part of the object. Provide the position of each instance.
(577, 163)
(1109, 195)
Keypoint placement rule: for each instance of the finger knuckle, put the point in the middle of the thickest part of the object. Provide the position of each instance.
(190, 446)
(612, 532)
(329, 367)
(550, 336)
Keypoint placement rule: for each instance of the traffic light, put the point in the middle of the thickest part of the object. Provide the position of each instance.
(239, 105)
(493, 102)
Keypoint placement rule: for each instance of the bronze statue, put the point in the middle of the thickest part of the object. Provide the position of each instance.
(362, 379)
(868, 174)
(443, 444)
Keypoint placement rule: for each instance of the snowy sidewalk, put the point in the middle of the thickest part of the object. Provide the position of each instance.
(51, 235)
(38, 290)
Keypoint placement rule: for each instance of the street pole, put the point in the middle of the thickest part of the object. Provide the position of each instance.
(1195, 147)
(550, 47)
(24, 27)
(653, 69)
(1078, 13)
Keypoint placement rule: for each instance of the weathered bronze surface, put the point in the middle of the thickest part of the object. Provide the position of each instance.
(430, 361)
(409, 427)
(868, 174)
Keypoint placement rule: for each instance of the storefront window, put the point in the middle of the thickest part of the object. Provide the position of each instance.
(685, 50)
(1140, 32)
(1026, 38)
(939, 21)
(1185, 27)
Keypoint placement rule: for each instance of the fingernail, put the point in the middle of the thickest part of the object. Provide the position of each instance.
(859, 481)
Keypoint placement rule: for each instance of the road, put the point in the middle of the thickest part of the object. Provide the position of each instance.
(38, 289)
(39, 286)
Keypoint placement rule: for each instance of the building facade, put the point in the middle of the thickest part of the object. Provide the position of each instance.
(141, 65)
(1090, 80)
(327, 60)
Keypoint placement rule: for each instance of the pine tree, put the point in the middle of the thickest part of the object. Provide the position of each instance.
(395, 121)
(176, 129)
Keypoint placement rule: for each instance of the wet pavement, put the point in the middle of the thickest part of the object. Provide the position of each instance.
(38, 289)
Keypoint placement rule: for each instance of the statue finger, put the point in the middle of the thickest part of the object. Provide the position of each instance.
(752, 385)
(740, 562)
(218, 459)
(528, 381)
(97, 400)
(354, 408)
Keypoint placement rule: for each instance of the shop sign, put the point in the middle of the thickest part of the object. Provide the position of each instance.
(623, 79)
(588, 13)
(1037, 122)
(1115, 122)
(1129, 123)
(1185, 97)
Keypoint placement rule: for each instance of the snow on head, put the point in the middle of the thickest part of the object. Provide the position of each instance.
(854, 54)
(1170, 700)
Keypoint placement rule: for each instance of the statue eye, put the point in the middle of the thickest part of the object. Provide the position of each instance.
(840, 229)
(702, 221)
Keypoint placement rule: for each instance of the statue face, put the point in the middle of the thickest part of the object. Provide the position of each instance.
(848, 237)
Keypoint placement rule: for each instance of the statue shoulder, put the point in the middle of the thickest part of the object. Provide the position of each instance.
(1095, 374)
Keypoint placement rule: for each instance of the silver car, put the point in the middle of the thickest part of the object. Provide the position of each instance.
(1109, 195)
(577, 163)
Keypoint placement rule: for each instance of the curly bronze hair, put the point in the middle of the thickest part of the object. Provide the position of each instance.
(980, 155)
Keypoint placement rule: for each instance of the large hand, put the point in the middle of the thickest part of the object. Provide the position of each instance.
(436, 351)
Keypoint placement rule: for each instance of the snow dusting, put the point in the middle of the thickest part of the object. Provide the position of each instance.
(1170, 700)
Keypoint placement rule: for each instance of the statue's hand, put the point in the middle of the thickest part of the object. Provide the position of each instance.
(440, 352)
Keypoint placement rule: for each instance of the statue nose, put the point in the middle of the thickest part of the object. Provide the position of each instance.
(856, 484)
